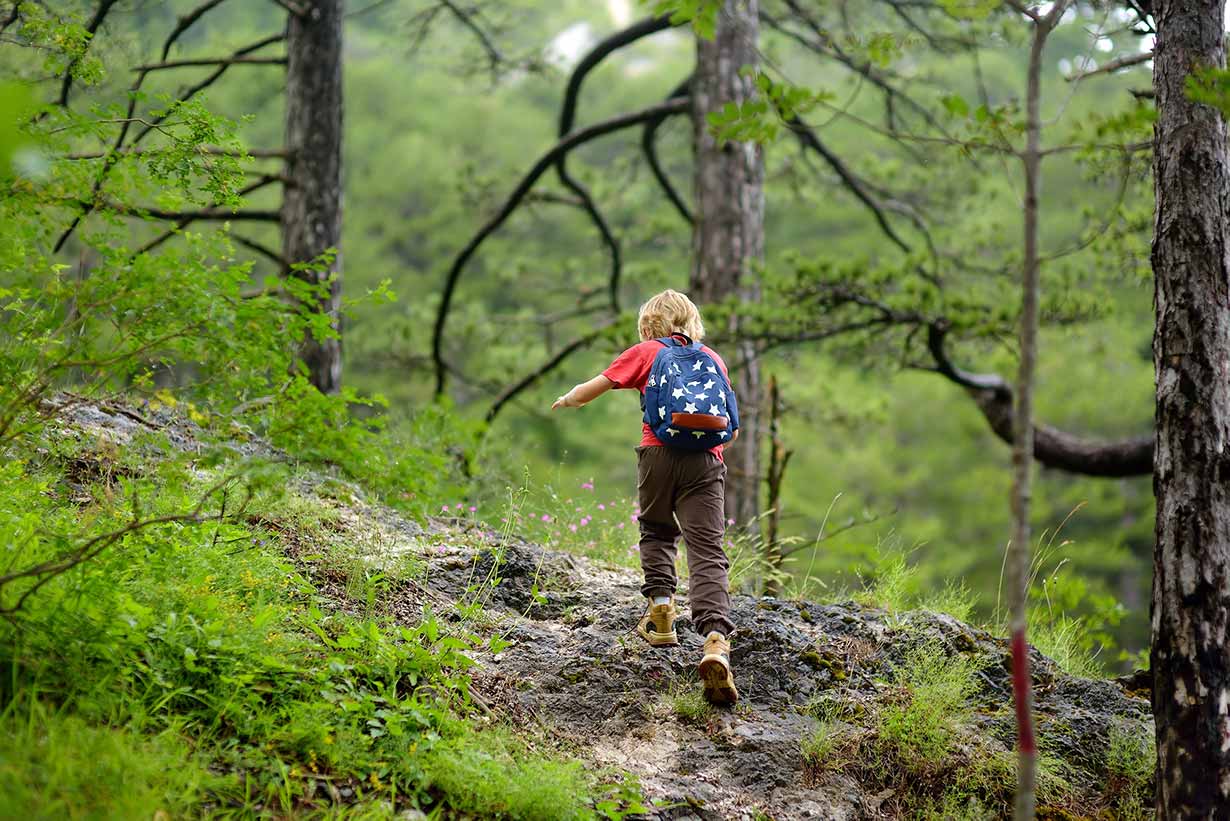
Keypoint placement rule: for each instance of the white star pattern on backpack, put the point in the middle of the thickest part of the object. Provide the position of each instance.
(680, 392)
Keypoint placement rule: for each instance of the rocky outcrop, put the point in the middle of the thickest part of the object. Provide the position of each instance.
(574, 664)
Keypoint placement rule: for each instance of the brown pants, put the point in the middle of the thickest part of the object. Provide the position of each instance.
(691, 487)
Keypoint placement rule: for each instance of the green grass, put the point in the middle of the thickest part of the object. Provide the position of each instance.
(1130, 761)
(822, 748)
(197, 669)
(687, 702)
(920, 728)
(57, 765)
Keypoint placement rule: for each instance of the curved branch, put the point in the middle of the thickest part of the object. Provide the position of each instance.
(808, 138)
(186, 22)
(1053, 448)
(567, 118)
(510, 393)
(649, 146)
(544, 162)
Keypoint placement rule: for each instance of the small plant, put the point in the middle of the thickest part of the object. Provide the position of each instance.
(920, 728)
(821, 748)
(688, 703)
(1130, 761)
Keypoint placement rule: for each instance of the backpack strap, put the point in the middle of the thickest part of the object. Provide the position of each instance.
(671, 342)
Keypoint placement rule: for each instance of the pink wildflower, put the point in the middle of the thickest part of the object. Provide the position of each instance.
(587, 486)
(730, 521)
(546, 518)
(601, 506)
(444, 509)
(621, 525)
(473, 508)
(573, 528)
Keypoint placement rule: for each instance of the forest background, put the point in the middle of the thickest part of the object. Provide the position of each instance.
(893, 467)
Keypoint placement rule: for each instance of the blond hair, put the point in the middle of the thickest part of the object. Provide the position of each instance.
(669, 312)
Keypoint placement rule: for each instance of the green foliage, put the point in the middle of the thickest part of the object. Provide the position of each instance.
(921, 728)
(823, 748)
(491, 775)
(690, 706)
(57, 765)
(1209, 85)
(702, 14)
(1131, 759)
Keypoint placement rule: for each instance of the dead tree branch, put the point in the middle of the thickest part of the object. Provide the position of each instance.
(545, 162)
(649, 146)
(212, 61)
(186, 22)
(511, 392)
(1113, 66)
(1053, 448)
(567, 119)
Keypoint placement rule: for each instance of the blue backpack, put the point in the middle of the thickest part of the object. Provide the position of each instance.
(688, 401)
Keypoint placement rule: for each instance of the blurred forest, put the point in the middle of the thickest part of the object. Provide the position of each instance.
(888, 458)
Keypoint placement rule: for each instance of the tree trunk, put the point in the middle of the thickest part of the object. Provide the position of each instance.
(728, 237)
(312, 207)
(1190, 653)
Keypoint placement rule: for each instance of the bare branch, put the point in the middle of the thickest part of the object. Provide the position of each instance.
(511, 392)
(494, 57)
(113, 156)
(186, 22)
(184, 220)
(213, 61)
(1113, 66)
(649, 146)
(544, 162)
(568, 110)
(1052, 447)
(807, 136)
(263, 250)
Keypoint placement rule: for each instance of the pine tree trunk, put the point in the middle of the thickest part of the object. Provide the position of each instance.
(728, 239)
(312, 206)
(1190, 653)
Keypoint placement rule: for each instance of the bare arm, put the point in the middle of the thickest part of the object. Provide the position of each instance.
(584, 393)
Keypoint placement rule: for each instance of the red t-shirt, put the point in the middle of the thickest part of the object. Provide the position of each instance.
(631, 370)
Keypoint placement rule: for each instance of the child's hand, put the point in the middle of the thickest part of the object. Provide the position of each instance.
(563, 402)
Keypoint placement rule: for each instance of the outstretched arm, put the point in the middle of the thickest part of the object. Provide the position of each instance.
(584, 393)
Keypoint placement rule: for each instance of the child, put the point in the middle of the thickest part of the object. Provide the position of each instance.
(679, 490)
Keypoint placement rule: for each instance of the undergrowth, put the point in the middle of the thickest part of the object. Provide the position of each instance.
(204, 667)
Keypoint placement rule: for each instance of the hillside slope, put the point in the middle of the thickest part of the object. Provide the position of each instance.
(847, 712)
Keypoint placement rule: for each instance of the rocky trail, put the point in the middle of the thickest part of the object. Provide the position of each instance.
(575, 665)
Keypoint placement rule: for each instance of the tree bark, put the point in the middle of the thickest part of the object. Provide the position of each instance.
(312, 209)
(728, 233)
(1190, 653)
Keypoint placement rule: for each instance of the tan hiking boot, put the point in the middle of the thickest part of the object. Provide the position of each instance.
(715, 671)
(658, 625)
